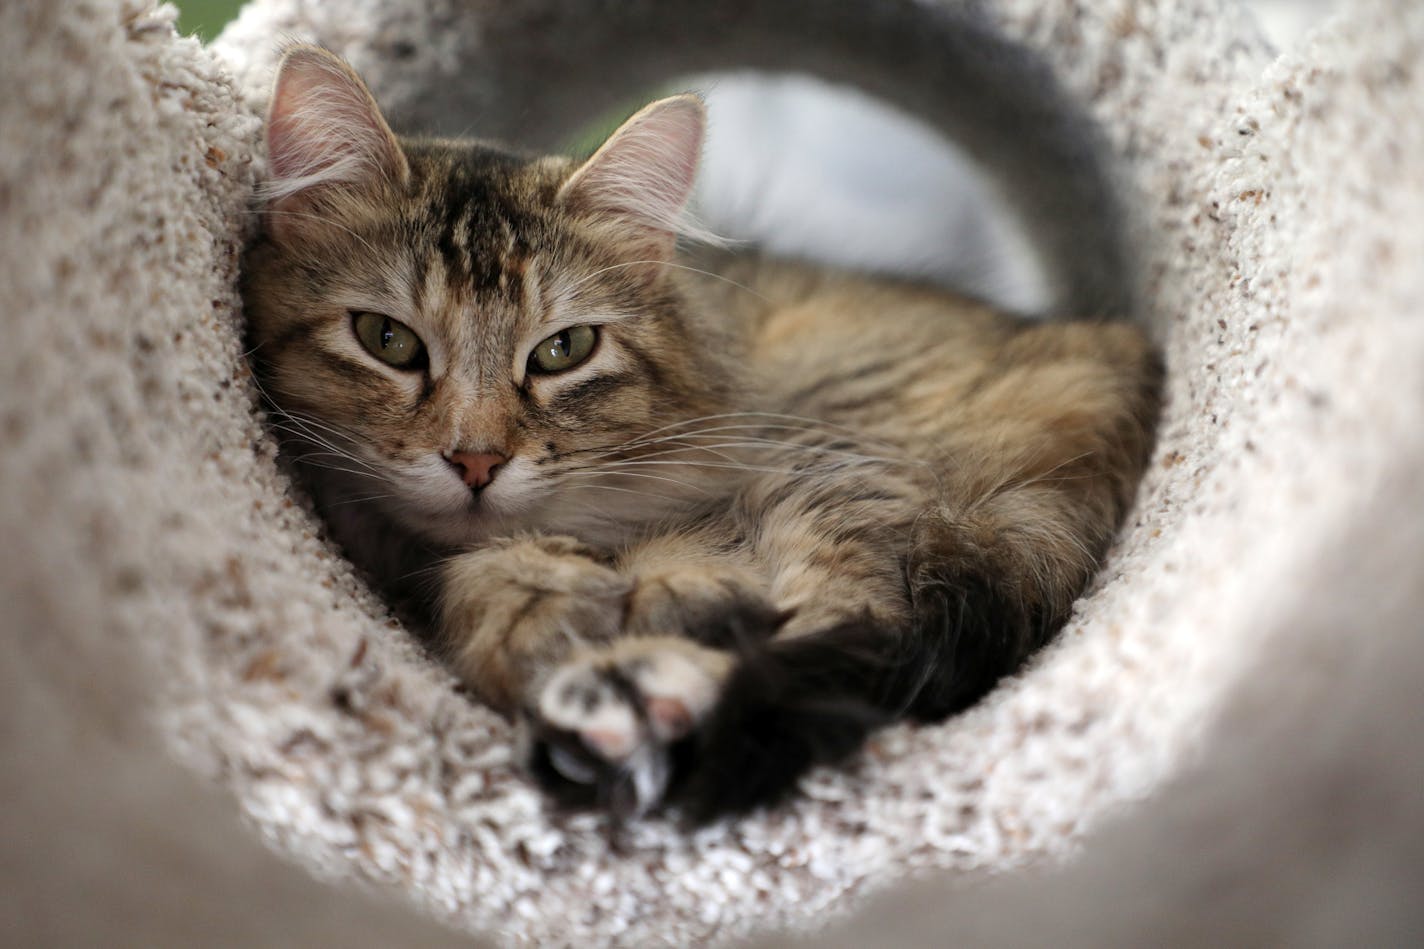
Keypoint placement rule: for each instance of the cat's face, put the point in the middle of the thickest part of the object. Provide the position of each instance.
(473, 341)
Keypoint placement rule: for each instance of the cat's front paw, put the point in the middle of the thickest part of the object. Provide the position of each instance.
(607, 728)
(517, 607)
(717, 605)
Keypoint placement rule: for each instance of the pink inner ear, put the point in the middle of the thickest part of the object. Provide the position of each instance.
(645, 171)
(323, 127)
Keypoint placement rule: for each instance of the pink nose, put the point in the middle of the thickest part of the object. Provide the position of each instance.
(476, 470)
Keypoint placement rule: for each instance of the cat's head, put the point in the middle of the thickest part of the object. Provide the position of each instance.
(470, 338)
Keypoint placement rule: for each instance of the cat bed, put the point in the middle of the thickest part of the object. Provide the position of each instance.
(167, 594)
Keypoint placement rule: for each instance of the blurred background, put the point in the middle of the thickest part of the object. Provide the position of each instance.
(1284, 20)
(806, 169)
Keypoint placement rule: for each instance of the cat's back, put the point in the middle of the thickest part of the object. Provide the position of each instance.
(802, 319)
(906, 360)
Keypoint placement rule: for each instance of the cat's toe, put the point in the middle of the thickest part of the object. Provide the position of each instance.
(723, 609)
(578, 776)
(604, 726)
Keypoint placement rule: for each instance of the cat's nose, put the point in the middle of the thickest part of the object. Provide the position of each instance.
(475, 469)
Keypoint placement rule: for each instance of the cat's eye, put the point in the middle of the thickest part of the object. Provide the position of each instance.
(390, 341)
(564, 350)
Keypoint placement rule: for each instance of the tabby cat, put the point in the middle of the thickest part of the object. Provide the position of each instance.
(697, 523)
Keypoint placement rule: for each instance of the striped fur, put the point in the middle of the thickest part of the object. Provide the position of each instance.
(776, 508)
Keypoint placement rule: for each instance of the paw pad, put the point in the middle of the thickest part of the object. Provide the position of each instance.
(602, 725)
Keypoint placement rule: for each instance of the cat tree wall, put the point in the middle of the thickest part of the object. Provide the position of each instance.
(160, 579)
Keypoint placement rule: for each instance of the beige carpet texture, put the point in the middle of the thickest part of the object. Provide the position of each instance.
(168, 597)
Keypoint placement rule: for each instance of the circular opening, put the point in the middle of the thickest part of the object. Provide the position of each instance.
(806, 168)
(809, 168)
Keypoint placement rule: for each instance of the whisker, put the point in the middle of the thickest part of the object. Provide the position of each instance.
(642, 494)
(330, 428)
(365, 499)
(330, 450)
(652, 436)
(732, 415)
(664, 263)
(750, 441)
(355, 472)
(774, 446)
(678, 447)
(310, 430)
(317, 217)
(777, 421)
(619, 466)
(429, 569)
(1011, 485)
(636, 474)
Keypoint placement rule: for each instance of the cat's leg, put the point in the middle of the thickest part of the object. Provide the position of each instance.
(834, 545)
(512, 610)
(903, 595)
(700, 582)
(895, 616)
(605, 726)
(603, 729)
(623, 725)
(605, 663)
(908, 587)
(1036, 480)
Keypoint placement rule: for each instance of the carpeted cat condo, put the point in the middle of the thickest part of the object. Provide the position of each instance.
(168, 595)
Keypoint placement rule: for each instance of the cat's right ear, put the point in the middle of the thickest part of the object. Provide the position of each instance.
(324, 130)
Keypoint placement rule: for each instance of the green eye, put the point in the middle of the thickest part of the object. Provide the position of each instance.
(390, 341)
(564, 350)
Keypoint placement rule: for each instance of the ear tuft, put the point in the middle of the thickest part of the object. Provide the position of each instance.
(642, 177)
(324, 128)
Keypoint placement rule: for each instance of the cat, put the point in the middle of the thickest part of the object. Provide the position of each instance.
(697, 521)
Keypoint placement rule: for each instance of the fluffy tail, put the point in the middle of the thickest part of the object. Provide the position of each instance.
(793, 704)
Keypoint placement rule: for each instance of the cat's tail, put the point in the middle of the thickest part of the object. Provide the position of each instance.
(795, 703)
(788, 705)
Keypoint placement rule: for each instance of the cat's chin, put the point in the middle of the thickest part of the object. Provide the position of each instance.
(593, 521)
(473, 524)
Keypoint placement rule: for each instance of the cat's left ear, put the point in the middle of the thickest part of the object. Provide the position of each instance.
(641, 179)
